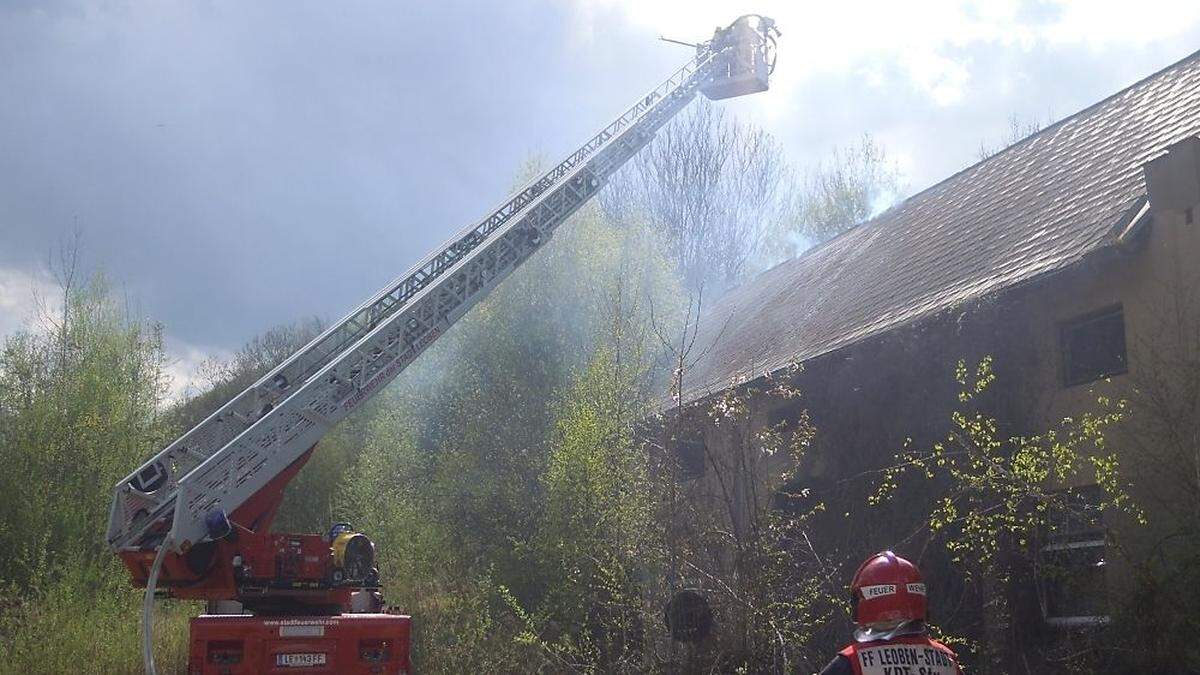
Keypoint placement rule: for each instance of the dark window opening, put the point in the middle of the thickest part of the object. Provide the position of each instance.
(690, 451)
(784, 420)
(1073, 560)
(1077, 515)
(1093, 347)
(794, 498)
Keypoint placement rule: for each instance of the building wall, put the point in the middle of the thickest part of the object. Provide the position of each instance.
(868, 400)
(1155, 286)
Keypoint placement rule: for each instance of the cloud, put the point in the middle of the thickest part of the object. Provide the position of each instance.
(235, 165)
(943, 79)
(932, 40)
(29, 298)
(183, 366)
(26, 297)
(932, 80)
(1109, 23)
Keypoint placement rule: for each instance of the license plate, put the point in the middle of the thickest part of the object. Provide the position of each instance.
(299, 660)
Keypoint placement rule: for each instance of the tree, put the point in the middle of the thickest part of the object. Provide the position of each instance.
(740, 529)
(714, 186)
(82, 395)
(81, 398)
(1018, 130)
(225, 378)
(454, 478)
(597, 541)
(992, 497)
(856, 182)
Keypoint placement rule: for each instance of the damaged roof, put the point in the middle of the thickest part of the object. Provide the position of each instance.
(1036, 207)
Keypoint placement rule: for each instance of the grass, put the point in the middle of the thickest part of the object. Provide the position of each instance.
(89, 623)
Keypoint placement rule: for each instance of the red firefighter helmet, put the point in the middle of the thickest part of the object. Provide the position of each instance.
(887, 588)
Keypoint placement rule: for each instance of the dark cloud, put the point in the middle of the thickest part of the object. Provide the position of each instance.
(238, 165)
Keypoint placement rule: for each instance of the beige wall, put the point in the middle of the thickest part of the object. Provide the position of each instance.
(1154, 285)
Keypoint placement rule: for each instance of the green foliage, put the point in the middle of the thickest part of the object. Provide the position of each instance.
(995, 499)
(81, 396)
(742, 533)
(455, 605)
(79, 404)
(87, 619)
(848, 188)
(467, 463)
(597, 540)
(992, 490)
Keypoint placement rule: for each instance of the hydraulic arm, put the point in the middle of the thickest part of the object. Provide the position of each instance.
(203, 505)
(233, 454)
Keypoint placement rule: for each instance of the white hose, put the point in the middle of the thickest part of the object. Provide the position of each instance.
(148, 609)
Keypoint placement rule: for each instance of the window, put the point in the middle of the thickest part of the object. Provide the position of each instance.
(689, 453)
(1073, 561)
(1093, 346)
(794, 497)
(785, 419)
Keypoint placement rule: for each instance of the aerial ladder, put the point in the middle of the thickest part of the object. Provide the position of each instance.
(193, 521)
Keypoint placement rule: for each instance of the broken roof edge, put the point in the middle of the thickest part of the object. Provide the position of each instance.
(1135, 220)
(1131, 215)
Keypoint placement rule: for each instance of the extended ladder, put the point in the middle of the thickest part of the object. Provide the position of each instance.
(232, 454)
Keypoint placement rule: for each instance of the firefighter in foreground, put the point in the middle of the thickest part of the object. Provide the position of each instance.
(890, 638)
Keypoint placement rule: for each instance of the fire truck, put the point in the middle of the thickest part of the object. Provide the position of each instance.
(193, 522)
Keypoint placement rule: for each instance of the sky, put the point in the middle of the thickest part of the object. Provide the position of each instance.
(232, 165)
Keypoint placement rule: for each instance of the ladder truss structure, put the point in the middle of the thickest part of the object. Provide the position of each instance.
(231, 455)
